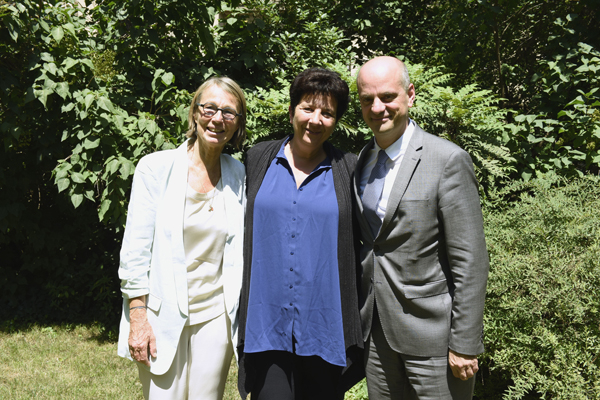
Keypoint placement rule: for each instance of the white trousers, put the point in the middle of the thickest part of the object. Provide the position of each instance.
(199, 370)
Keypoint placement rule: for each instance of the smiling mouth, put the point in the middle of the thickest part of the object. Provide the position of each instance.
(214, 131)
(313, 132)
(382, 119)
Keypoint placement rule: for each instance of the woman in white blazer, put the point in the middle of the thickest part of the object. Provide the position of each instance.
(181, 259)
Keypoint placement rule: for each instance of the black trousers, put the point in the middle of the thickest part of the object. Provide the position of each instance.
(281, 375)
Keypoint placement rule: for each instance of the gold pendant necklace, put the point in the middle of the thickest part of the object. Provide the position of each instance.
(215, 193)
(212, 199)
(199, 174)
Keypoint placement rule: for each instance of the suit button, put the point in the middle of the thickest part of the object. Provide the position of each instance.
(376, 248)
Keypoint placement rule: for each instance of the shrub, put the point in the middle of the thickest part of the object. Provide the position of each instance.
(564, 135)
(467, 116)
(542, 309)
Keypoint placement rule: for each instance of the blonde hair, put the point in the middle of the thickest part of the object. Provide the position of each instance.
(229, 86)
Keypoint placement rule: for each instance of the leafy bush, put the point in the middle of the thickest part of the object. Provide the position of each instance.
(264, 45)
(542, 315)
(73, 125)
(358, 391)
(469, 117)
(564, 136)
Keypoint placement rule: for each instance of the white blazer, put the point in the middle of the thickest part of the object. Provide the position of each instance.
(153, 257)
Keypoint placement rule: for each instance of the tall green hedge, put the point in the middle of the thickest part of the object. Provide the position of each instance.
(542, 315)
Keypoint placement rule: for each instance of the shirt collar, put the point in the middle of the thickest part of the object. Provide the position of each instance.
(326, 163)
(396, 149)
(281, 152)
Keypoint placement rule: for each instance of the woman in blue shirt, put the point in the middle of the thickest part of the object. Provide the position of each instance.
(300, 335)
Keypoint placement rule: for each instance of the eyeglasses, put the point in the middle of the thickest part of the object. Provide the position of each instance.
(210, 110)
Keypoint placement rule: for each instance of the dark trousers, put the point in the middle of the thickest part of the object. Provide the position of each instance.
(281, 375)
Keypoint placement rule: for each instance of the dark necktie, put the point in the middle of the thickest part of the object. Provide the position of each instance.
(373, 191)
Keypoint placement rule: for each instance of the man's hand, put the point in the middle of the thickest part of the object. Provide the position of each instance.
(463, 366)
(141, 337)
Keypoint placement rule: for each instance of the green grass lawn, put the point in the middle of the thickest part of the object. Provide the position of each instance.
(76, 362)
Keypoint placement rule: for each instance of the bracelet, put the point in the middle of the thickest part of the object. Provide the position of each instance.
(133, 308)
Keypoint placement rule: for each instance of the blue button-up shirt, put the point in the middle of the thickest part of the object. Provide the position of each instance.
(294, 302)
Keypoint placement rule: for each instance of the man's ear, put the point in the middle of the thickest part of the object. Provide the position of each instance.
(411, 95)
(291, 115)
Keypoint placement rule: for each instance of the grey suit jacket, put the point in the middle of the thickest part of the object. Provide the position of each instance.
(427, 268)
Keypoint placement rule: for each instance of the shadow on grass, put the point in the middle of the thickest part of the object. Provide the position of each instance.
(96, 332)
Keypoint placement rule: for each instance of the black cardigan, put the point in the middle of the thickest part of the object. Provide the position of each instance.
(257, 162)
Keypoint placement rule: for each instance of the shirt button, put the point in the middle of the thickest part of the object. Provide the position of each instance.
(291, 269)
(291, 304)
(291, 286)
(293, 219)
(291, 252)
(301, 189)
(293, 236)
(294, 202)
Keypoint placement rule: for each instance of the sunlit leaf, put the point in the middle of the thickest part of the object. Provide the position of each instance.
(105, 104)
(69, 62)
(62, 184)
(104, 207)
(126, 169)
(57, 33)
(76, 199)
(168, 78)
(70, 28)
(88, 100)
(91, 143)
(77, 177)
(62, 89)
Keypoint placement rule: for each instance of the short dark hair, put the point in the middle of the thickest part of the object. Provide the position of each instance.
(320, 81)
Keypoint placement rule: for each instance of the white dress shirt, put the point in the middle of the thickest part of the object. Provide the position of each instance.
(395, 153)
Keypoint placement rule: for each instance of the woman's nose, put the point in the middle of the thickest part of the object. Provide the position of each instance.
(315, 117)
(218, 115)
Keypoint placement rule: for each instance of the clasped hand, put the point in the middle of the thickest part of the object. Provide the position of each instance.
(463, 366)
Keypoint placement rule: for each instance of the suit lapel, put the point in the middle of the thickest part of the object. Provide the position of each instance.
(230, 188)
(175, 201)
(407, 169)
(357, 178)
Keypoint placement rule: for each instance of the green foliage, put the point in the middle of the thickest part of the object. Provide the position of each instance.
(469, 117)
(391, 27)
(358, 392)
(41, 47)
(265, 44)
(107, 142)
(75, 124)
(542, 316)
(565, 135)
(86, 91)
(145, 36)
(82, 99)
(499, 43)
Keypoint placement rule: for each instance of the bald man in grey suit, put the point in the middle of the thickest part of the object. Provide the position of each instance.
(424, 258)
